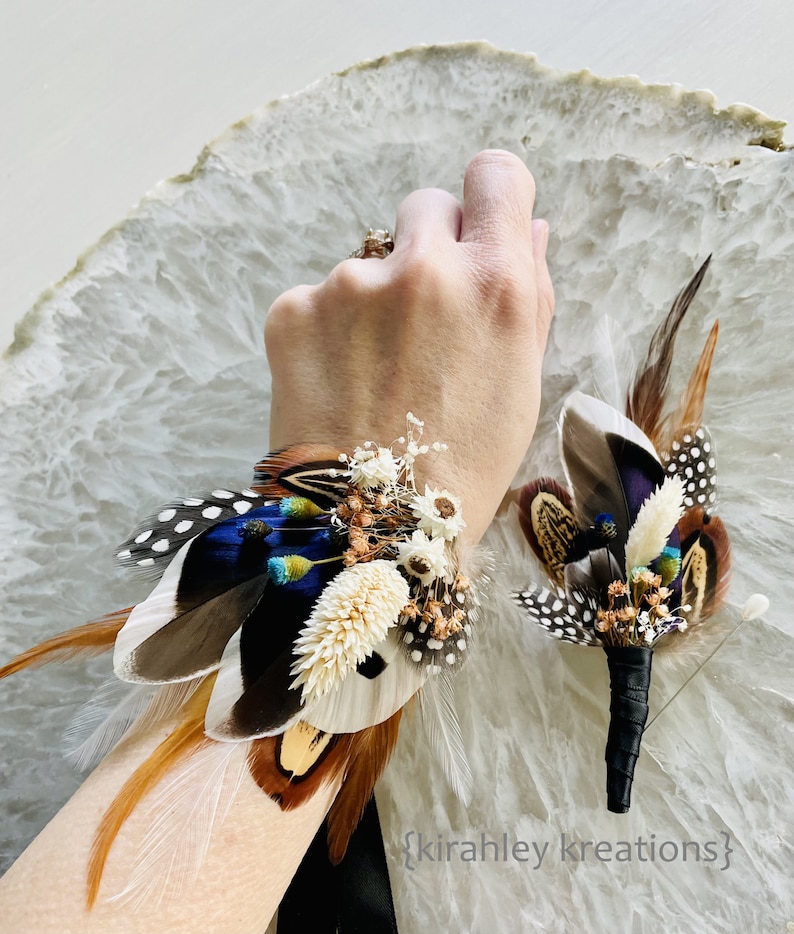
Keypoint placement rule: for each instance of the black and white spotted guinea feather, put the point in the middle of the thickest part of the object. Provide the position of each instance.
(569, 618)
(153, 544)
(691, 458)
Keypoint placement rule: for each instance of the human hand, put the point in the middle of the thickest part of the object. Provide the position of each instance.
(451, 326)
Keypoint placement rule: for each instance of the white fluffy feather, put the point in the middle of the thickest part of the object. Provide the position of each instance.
(437, 703)
(185, 812)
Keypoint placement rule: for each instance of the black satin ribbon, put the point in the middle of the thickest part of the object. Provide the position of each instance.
(630, 680)
(351, 898)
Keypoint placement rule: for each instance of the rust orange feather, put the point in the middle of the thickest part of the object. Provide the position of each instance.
(92, 638)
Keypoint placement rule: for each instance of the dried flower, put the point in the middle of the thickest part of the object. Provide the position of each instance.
(422, 557)
(438, 513)
(289, 568)
(655, 521)
(298, 507)
(373, 467)
(445, 626)
(351, 616)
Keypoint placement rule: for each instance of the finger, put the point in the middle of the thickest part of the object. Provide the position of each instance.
(426, 216)
(545, 289)
(498, 197)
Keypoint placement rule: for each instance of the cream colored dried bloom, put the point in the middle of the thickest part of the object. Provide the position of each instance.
(655, 521)
(351, 616)
(422, 557)
(373, 467)
(438, 513)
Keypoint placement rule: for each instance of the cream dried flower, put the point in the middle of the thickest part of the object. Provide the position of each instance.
(655, 521)
(422, 557)
(373, 467)
(351, 616)
(438, 513)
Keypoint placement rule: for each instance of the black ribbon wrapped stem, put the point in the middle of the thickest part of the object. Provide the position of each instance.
(630, 680)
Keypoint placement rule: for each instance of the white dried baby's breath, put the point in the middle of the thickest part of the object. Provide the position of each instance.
(655, 521)
(351, 616)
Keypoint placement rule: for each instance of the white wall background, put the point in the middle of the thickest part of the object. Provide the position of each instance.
(100, 99)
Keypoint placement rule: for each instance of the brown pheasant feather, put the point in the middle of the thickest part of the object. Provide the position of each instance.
(303, 470)
(648, 393)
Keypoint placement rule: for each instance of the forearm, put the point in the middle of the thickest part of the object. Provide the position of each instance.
(251, 859)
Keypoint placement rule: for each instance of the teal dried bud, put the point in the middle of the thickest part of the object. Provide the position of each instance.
(298, 507)
(668, 564)
(288, 569)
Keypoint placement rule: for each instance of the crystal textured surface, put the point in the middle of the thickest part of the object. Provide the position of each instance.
(141, 377)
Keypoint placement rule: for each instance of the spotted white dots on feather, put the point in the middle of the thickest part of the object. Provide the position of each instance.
(123, 555)
(192, 501)
(166, 515)
(242, 506)
(223, 494)
(571, 630)
(249, 493)
(687, 439)
(461, 644)
(416, 655)
(676, 446)
(184, 526)
(434, 644)
(211, 512)
(559, 621)
(557, 606)
(145, 562)
(450, 658)
(408, 638)
(161, 545)
(143, 536)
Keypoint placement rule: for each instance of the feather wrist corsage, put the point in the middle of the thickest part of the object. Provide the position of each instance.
(291, 621)
(635, 555)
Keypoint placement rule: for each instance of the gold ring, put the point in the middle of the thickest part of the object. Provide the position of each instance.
(376, 243)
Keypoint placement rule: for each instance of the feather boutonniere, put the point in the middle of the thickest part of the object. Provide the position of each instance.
(635, 554)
